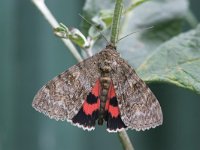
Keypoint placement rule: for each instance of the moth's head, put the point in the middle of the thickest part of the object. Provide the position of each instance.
(111, 46)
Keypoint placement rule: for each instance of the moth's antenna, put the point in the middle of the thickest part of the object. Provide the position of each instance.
(135, 32)
(94, 26)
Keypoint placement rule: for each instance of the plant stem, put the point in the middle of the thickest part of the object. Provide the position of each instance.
(40, 4)
(127, 145)
(123, 136)
(116, 21)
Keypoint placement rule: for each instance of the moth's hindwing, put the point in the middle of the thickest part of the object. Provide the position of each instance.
(113, 118)
(63, 96)
(139, 108)
(88, 114)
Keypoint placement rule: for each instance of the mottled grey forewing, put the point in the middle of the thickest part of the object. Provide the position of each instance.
(139, 107)
(62, 97)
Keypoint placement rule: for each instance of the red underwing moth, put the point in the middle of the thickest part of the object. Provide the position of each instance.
(101, 88)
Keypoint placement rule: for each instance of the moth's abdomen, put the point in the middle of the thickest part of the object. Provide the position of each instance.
(105, 84)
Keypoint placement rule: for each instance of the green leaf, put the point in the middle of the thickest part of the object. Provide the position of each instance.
(73, 34)
(78, 38)
(177, 61)
(134, 4)
(165, 16)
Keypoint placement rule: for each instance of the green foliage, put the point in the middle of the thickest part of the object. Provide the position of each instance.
(74, 35)
(176, 61)
(102, 16)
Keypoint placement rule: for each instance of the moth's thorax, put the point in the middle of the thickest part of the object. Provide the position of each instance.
(111, 46)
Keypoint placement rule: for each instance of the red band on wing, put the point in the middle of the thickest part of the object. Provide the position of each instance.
(111, 103)
(114, 111)
(90, 108)
(96, 88)
(92, 102)
(114, 122)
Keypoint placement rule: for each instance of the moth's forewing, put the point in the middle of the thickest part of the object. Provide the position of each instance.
(139, 107)
(62, 97)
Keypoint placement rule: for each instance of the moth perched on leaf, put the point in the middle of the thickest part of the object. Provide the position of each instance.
(101, 88)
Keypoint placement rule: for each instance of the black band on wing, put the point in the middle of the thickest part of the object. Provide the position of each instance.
(91, 98)
(85, 120)
(113, 102)
(114, 123)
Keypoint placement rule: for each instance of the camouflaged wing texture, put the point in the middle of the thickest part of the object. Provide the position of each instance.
(62, 97)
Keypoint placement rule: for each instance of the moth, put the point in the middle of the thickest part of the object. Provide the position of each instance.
(102, 88)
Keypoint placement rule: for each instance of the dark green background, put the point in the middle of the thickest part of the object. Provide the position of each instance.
(30, 55)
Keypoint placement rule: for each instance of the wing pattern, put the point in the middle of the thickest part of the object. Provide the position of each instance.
(62, 97)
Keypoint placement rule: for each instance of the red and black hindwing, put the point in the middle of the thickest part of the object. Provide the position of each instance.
(113, 117)
(88, 113)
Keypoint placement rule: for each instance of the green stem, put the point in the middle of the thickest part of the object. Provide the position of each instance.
(116, 21)
(123, 136)
(126, 143)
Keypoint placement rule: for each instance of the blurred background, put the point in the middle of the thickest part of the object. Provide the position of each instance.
(30, 55)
